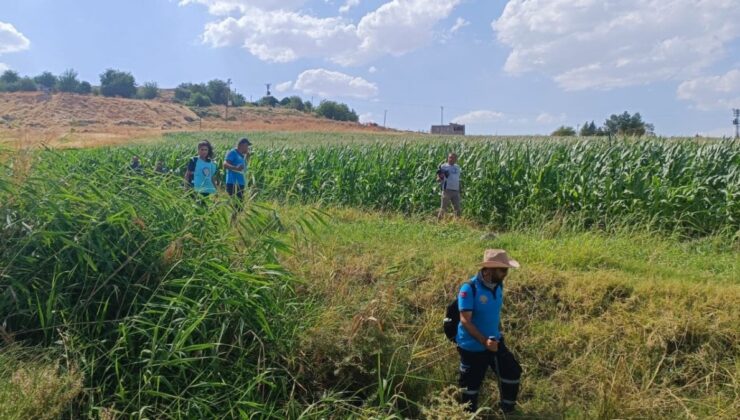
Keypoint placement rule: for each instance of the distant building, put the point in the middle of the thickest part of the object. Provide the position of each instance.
(452, 128)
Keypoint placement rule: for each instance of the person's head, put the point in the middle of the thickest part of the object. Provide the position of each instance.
(495, 265)
(243, 145)
(452, 158)
(205, 150)
(159, 164)
(135, 159)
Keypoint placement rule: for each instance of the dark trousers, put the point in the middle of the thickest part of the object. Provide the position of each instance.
(473, 367)
(236, 192)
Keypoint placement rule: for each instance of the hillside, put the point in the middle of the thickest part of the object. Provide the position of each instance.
(72, 119)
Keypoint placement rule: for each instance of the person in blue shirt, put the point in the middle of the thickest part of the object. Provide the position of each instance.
(201, 170)
(235, 165)
(479, 339)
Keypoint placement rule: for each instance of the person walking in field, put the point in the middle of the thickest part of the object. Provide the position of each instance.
(201, 170)
(448, 176)
(479, 339)
(235, 165)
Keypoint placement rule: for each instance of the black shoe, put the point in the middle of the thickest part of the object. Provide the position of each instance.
(507, 408)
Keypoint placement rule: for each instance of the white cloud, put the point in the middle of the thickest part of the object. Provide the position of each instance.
(283, 87)
(367, 118)
(713, 92)
(11, 40)
(3, 67)
(227, 7)
(348, 5)
(459, 24)
(479, 117)
(283, 35)
(334, 84)
(372, 69)
(597, 44)
(546, 118)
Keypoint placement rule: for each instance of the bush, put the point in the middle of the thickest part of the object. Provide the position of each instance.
(85, 88)
(117, 83)
(564, 131)
(268, 101)
(237, 99)
(68, 82)
(218, 91)
(336, 111)
(182, 92)
(199, 99)
(46, 80)
(10, 77)
(148, 91)
(27, 84)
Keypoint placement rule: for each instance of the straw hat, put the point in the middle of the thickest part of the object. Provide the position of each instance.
(493, 258)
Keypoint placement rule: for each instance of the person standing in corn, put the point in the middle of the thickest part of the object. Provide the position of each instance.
(448, 176)
(235, 164)
(479, 339)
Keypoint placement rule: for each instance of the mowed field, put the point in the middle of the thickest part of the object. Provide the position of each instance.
(122, 297)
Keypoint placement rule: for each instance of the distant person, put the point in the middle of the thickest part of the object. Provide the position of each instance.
(448, 176)
(235, 165)
(136, 164)
(479, 339)
(201, 170)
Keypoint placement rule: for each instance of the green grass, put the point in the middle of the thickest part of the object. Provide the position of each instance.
(626, 305)
(624, 325)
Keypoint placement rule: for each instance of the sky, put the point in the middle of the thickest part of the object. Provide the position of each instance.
(499, 67)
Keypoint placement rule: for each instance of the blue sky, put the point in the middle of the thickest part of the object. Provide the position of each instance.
(500, 67)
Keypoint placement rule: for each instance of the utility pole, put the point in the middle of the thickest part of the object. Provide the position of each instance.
(385, 114)
(442, 116)
(736, 122)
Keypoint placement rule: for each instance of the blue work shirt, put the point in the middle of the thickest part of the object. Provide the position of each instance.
(486, 313)
(235, 158)
(203, 172)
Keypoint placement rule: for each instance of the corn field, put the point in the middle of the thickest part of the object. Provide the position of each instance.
(674, 186)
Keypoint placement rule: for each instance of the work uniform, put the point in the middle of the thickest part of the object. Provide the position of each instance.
(475, 359)
(235, 180)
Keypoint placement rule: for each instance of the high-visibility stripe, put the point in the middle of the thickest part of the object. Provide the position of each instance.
(470, 391)
(508, 402)
(509, 381)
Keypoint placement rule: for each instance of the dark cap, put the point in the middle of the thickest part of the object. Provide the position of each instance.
(244, 140)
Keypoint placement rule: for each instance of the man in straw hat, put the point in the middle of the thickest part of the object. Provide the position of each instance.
(479, 338)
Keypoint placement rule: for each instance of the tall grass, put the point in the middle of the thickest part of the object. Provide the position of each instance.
(168, 308)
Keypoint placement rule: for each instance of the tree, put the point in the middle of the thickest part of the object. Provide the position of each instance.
(293, 102)
(336, 111)
(589, 129)
(27, 84)
(150, 90)
(182, 92)
(199, 99)
(46, 80)
(9, 77)
(85, 88)
(117, 83)
(268, 101)
(237, 99)
(564, 131)
(218, 91)
(627, 125)
(67, 81)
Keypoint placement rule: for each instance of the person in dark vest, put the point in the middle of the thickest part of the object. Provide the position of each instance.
(479, 339)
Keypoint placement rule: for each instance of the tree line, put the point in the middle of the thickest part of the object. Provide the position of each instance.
(623, 124)
(116, 83)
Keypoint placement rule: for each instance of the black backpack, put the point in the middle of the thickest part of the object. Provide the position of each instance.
(452, 317)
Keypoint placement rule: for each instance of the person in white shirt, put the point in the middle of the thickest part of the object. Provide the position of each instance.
(448, 176)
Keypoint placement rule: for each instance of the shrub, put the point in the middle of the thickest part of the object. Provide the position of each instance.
(199, 99)
(67, 81)
(148, 91)
(336, 111)
(46, 79)
(564, 131)
(85, 88)
(117, 83)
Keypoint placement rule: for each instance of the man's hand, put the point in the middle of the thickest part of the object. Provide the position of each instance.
(492, 345)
